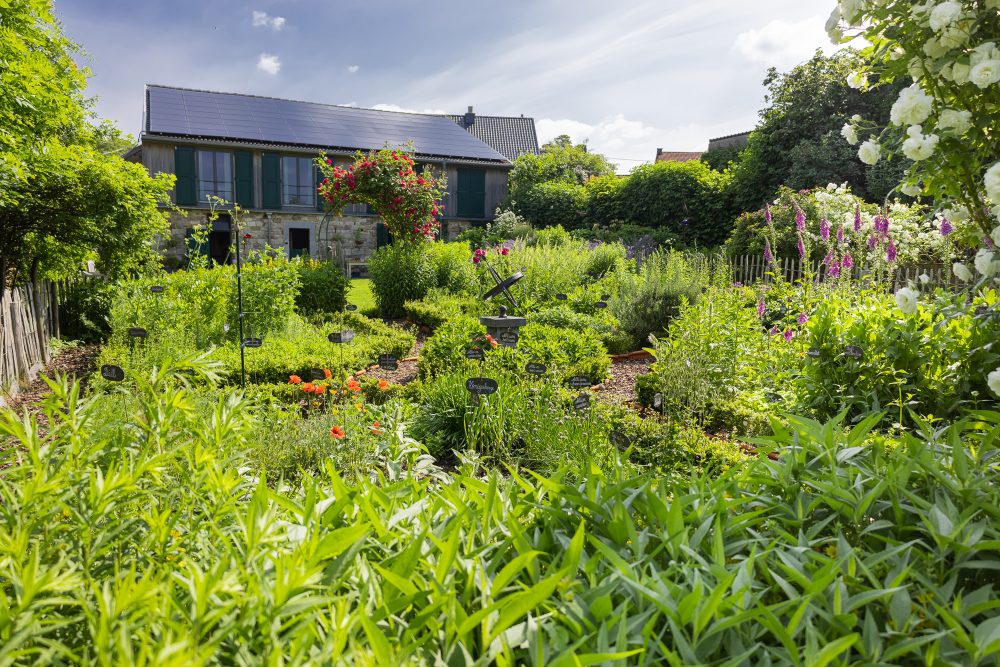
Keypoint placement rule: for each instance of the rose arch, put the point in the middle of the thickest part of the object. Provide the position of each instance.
(408, 201)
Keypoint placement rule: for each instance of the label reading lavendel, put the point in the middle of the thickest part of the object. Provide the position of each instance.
(481, 386)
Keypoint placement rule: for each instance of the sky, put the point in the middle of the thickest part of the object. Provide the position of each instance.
(626, 77)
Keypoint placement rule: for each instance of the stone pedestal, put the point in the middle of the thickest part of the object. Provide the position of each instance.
(505, 330)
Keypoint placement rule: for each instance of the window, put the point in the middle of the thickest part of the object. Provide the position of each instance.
(471, 193)
(298, 186)
(215, 175)
(299, 239)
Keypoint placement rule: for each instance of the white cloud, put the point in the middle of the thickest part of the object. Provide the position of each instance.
(269, 63)
(783, 43)
(352, 69)
(629, 143)
(396, 107)
(261, 19)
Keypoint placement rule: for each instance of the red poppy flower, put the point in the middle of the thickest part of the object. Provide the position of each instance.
(337, 433)
(294, 379)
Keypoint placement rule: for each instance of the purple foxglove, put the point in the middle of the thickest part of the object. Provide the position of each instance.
(761, 307)
(848, 261)
(789, 334)
(840, 234)
(890, 252)
(988, 241)
(872, 241)
(802, 247)
(834, 270)
(800, 219)
(775, 330)
(857, 218)
(803, 318)
(824, 229)
(767, 213)
(768, 255)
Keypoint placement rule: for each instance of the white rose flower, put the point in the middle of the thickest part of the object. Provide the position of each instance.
(985, 262)
(960, 73)
(960, 214)
(985, 74)
(849, 133)
(944, 14)
(957, 121)
(993, 381)
(995, 235)
(924, 278)
(918, 146)
(991, 181)
(912, 107)
(869, 152)
(953, 37)
(934, 48)
(906, 299)
(961, 271)
(983, 52)
(911, 189)
(857, 80)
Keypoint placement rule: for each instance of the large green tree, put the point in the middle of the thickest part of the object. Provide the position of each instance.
(65, 194)
(556, 174)
(798, 141)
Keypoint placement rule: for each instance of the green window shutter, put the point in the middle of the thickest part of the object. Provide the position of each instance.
(382, 235)
(244, 179)
(270, 173)
(320, 202)
(471, 193)
(186, 185)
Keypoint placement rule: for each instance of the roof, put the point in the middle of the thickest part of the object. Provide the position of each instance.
(510, 136)
(732, 136)
(200, 114)
(677, 156)
(738, 140)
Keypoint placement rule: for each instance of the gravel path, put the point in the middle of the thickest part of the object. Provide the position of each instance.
(620, 385)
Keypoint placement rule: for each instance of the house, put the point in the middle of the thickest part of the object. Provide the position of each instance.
(511, 136)
(738, 140)
(676, 156)
(258, 152)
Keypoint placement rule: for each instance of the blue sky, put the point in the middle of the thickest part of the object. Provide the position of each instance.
(627, 77)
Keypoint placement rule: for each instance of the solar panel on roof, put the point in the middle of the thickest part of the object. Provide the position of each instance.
(248, 118)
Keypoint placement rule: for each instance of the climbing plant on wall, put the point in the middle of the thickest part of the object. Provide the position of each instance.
(407, 199)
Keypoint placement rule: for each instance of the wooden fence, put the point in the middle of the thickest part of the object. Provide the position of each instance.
(748, 269)
(29, 317)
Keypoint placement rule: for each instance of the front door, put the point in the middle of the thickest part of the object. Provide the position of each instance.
(298, 242)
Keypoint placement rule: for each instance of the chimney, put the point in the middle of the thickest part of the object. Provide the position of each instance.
(659, 151)
(470, 117)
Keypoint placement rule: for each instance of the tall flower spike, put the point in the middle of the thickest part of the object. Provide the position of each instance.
(824, 229)
(840, 234)
(890, 252)
(800, 219)
(761, 307)
(802, 247)
(946, 227)
(767, 213)
(768, 255)
(857, 218)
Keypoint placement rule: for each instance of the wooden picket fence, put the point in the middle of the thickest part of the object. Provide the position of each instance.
(29, 317)
(749, 269)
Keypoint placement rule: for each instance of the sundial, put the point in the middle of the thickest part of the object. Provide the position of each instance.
(504, 329)
(503, 285)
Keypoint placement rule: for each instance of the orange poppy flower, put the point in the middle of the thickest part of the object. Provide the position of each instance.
(319, 389)
(375, 429)
(337, 433)
(383, 385)
(353, 385)
(327, 373)
(307, 387)
(490, 340)
(294, 379)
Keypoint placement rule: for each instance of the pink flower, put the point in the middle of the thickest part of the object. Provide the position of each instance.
(824, 229)
(504, 251)
(857, 218)
(761, 307)
(848, 261)
(789, 334)
(767, 213)
(800, 219)
(803, 318)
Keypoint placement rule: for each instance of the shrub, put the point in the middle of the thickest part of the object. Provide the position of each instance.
(85, 310)
(554, 203)
(932, 362)
(604, 200)
(688, 198)
(400, 272)
(438, 307)
(601, 324)
(323, 288)
(646, 303)
(453, 272)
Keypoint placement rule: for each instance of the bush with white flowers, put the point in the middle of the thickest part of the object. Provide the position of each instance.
(946, 120)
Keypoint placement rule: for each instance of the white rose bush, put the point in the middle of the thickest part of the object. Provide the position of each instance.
(945, 120)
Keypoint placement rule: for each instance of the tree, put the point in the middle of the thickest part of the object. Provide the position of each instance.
(560, 161)
(794, 143)
(62, 198)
